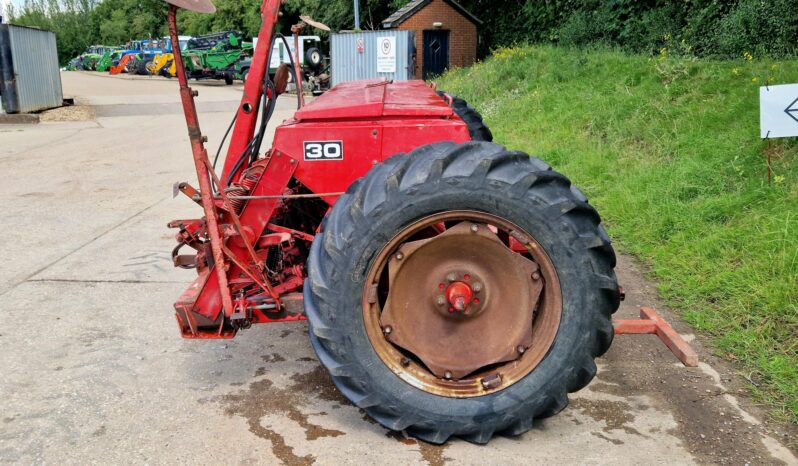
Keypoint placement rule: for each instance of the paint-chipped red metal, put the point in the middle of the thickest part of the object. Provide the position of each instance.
(651, 322)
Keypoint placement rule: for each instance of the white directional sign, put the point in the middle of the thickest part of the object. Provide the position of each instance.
(778, 111)
(386, 55)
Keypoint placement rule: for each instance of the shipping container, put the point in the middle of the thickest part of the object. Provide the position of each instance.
(387, 54)
(30, 78)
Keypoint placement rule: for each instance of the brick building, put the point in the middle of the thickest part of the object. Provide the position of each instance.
(446, 34)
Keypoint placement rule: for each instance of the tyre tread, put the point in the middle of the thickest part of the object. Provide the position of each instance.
(482, 164)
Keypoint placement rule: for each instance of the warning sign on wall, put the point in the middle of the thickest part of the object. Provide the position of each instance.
(386, 55)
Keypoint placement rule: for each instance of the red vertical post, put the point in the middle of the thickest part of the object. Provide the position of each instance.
(201, 164)
(253, 89)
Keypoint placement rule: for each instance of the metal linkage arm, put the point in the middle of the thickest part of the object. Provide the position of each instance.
(201, 164)
(253, 89)
(651, 322)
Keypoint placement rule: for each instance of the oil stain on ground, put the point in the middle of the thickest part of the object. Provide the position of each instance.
(432, 454)
(262, 398)
(615, 414)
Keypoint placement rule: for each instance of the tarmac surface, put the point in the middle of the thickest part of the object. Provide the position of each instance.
(94, 371)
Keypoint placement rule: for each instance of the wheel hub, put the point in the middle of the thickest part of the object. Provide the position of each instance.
(461, 301)
(460, 295)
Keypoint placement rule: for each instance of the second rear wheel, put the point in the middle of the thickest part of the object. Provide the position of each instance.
(477, 128)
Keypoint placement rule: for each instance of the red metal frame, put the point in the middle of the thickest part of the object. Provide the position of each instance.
(239, 232)
(651, 322)
(253, 87)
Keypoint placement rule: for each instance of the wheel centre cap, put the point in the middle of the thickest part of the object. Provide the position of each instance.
(461, 300)
(459, 295)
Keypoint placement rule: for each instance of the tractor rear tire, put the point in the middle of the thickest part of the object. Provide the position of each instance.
(485, 179)
(165, 70)
(141, 68)
(130, 66)
(477, 128)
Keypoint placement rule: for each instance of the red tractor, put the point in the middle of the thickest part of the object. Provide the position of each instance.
(453, 287)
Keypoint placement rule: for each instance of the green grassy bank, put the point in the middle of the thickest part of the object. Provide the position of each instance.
(668, 149)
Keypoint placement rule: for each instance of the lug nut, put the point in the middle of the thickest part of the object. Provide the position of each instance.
(477, 287)
(521, 349)
(447, 375)
(387, 330)
(451, 277)
(492, 381)
(474, 228)
(441, 300)
(399, 256)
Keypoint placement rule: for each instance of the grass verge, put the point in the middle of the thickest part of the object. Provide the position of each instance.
(668, 150)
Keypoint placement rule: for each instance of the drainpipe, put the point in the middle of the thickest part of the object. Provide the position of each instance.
(357, 15)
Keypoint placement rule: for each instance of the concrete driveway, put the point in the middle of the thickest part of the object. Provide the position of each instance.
(93, 369)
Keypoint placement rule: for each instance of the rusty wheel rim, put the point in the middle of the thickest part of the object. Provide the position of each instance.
(462, 304)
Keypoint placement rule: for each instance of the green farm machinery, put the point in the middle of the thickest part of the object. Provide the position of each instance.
(214, 56)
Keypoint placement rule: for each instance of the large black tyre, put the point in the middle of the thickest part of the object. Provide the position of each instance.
(165, 70)
(141, 67)
(477, 128)
(131, 65)
(477, 176)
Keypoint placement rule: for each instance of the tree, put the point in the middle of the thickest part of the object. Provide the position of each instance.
(68, 19)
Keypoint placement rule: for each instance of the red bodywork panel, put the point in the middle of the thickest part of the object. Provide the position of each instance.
(372, 120)
(376, 98)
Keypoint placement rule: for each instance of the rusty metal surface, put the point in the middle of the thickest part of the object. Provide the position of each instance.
(410, 317)
(295, 31)
(651, 322)
(281, 78)
(491, 285)
(311, 22)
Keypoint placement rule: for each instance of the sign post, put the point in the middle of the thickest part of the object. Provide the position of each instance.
(386, 54)
(778, 115)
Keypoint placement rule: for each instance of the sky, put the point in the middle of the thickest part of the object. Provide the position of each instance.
(3, 4)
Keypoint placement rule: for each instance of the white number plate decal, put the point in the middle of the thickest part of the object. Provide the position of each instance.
(324, 150)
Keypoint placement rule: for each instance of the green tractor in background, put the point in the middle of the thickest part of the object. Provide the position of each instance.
(214, 56)
(89, 58)
(108, 59)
